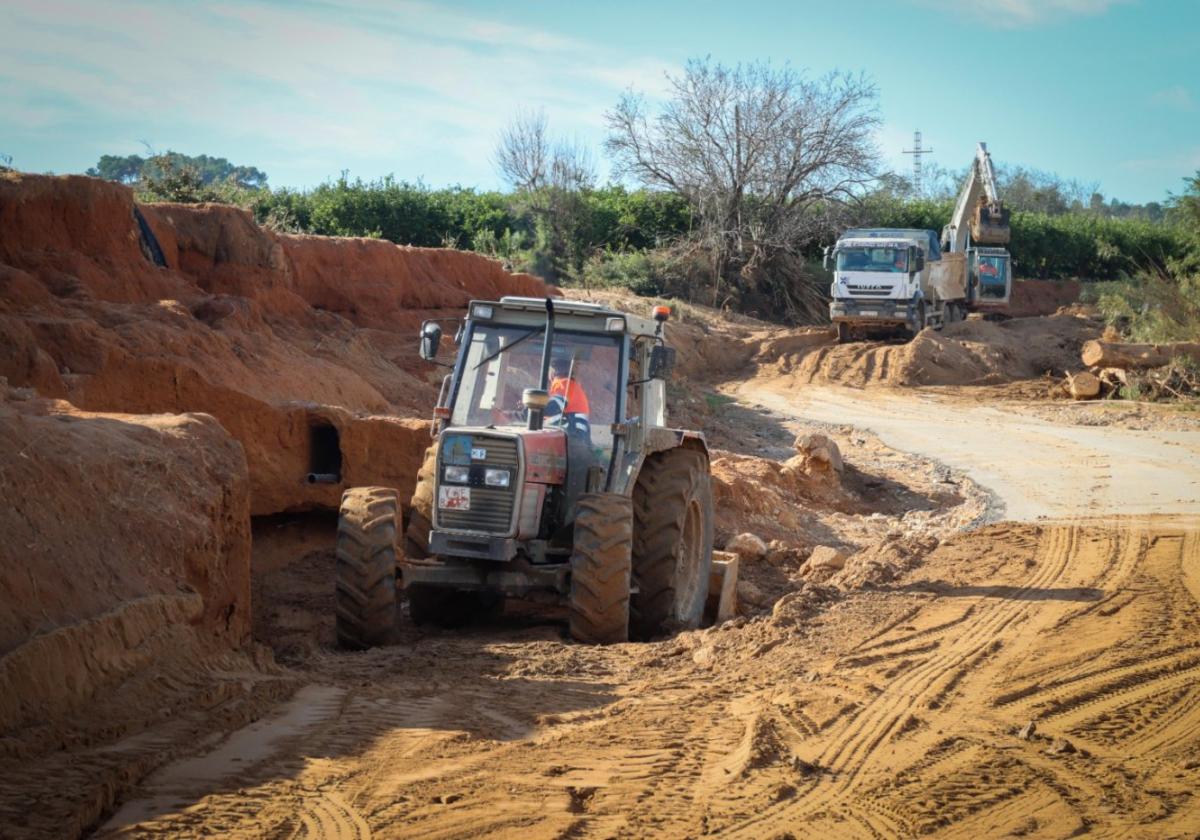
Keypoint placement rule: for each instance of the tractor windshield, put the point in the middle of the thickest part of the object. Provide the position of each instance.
(872, 259)
(502, 361)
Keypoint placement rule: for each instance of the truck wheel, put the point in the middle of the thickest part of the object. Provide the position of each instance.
(843, 333)
(366, 567)
(600, 569)
(420, 510)
(920, 321)
(672, 543)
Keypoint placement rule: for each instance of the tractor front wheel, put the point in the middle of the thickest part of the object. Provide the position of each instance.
(600, 569)
(366, 567)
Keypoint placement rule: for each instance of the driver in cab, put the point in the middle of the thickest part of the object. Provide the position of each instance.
(563, 384)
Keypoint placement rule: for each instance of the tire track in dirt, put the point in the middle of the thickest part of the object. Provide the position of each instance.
(892, 713)
(853, 749)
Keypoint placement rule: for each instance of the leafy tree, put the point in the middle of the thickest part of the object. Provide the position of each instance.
(210, 170)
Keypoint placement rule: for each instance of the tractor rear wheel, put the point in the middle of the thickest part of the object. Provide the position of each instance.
(600, 569)
(420, 509)
(366, 567)
(672, 543)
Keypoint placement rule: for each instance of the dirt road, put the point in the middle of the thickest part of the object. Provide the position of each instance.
(1036, 467)
(894, 710)
(887, 712)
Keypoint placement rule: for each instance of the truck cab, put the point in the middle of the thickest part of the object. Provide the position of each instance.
(882, 278)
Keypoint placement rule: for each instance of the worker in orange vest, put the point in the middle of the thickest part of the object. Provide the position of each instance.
(564, 384)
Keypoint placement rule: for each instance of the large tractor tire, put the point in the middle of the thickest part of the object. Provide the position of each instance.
(672, 543)
(600, 569)
(420, 510)
(366, 567)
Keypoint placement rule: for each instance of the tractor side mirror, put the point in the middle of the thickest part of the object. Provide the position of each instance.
(828, 254)
(662, 362)
(919, 262)
(431, 337)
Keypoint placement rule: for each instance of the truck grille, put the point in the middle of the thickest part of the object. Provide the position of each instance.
(871, 290)
(491, 507)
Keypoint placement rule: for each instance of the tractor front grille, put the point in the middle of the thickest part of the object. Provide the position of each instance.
(491, 510)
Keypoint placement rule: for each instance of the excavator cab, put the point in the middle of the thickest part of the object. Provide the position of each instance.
(990, 276)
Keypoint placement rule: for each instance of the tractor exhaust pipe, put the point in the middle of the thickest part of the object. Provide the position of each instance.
(536, 399)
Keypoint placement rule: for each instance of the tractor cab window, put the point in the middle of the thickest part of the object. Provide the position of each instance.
(872, 259)
(502, 361)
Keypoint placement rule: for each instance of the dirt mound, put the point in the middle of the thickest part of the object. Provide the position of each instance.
(1042, 297)
(124, 600)
(974, 352)
(86, 495)
(300, 346)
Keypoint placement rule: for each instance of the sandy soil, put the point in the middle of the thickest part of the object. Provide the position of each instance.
(889, 711)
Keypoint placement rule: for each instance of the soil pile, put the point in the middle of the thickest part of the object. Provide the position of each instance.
(1041, 297)
(973, 352)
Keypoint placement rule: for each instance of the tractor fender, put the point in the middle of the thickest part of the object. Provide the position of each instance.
(660, 439)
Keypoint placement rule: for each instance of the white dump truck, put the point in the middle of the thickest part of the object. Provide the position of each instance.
(888, 280)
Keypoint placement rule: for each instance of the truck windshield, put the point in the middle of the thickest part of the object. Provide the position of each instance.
(501, 362)
(872, 259)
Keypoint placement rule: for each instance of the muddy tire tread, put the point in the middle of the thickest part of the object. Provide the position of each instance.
(366, 567)
(600, 569)
(666, 483)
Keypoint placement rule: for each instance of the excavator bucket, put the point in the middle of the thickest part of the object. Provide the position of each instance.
(990, 225)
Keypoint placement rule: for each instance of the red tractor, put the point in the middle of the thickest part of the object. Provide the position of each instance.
(553, 471)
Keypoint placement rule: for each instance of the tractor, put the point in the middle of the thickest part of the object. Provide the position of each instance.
(552, 476)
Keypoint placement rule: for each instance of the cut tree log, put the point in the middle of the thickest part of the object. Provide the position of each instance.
(1083, 385)
(1111, 354)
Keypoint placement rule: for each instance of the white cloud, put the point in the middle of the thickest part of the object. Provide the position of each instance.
(1176, 97)
(1017, 14)
(391, 81)
(1183, 163)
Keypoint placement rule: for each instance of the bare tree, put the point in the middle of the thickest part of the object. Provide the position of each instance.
(759, 152)
(522, 151)
(548, 177)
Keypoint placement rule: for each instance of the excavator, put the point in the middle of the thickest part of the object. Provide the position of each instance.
(981, 222)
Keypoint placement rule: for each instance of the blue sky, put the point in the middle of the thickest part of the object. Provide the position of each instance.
(1096, 90)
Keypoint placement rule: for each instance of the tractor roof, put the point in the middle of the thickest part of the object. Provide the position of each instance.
(576, 314)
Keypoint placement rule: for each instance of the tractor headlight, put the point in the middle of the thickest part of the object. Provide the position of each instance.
(457, 475)
(497, 478)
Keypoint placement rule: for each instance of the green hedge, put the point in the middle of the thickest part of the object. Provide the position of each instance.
(1082, 245)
